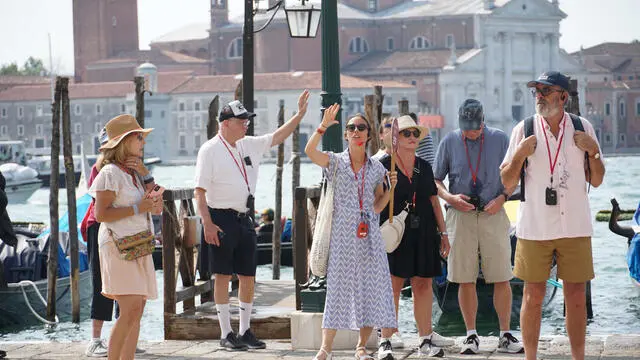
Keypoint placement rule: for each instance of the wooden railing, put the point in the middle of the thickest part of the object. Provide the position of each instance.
(302, 235)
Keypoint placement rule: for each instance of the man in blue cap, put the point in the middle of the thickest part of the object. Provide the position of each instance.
(554, 219)
(477, 223)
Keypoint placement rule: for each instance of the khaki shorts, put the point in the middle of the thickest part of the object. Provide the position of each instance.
(478, 236)
(573, 256)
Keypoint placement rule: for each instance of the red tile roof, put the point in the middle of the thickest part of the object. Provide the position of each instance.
(402, 60)
(154, 56)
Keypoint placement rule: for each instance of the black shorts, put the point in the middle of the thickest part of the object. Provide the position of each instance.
(237, 251)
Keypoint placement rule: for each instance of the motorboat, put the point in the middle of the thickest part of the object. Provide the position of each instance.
(21, 182)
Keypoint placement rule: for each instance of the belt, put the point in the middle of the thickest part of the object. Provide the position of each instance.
(234, 212)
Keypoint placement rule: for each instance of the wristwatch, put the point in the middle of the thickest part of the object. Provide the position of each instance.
(444, 233)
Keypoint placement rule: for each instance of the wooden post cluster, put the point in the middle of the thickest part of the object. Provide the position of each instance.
(277, 223)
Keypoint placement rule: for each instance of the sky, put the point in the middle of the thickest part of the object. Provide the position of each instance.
(25, 25)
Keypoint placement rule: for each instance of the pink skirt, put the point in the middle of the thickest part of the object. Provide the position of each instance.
(125, 277)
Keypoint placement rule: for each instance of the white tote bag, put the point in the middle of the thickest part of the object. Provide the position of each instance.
(319, 254)
(392, 233)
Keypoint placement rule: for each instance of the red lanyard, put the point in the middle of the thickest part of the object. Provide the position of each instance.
(474, 174)
(413, 201)
(552, 165)
(360, 188)
(243, 170)
(126, 170)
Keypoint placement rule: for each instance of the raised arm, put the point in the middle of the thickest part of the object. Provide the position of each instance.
(328, 119)
(283, 132)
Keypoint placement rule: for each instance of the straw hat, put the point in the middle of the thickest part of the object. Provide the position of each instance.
(121, 126)
(406, 122)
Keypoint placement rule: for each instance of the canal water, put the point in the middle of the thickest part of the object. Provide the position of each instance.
(616, 304)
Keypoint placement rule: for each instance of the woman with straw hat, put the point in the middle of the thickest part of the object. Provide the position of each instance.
(424, 240)
(123, 207)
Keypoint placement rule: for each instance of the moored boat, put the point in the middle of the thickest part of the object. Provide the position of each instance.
(21, 182)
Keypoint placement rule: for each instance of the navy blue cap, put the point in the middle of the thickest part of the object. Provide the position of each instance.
(551, 78)
(470, 115)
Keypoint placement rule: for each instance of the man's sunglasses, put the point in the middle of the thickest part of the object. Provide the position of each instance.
(545, 91)
(353, 127)
(407, 133)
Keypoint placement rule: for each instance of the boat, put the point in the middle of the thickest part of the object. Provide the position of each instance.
(21, 182)
(632, 233)
(42, 164)
(12, 152)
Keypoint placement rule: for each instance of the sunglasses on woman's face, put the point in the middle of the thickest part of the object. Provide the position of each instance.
(139, 136)
(353, 127)
(407, 133)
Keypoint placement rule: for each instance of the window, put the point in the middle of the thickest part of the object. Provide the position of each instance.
(39, 129)
(3, 112)
(607, 138)
(77, 109)
(98, 109)
(413, 82)
(419, 43)
(181, 123)
(183, 142)
(450, 40)
(197, 122)
(630, 77)
(234, 51)
(97, 127)
(77, 128)
(638, 108)
(147, 113)
(114, 21)
(255, 104)
(123, 108)
(358, 45)
(196, 105)
(623, 108)
(162, 114)
(373, 5)
(38, 143)
(181, 106)
(78, 149)
(20, 112)
(196, 141)
(39, 111)
(638, 138)
(390, 46)
(607, 109)
(622, 137)
(4, 130)
(20, 130)
(619, 78)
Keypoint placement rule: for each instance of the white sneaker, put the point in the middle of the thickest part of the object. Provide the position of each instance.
(96, 349)
(470, 345)
(509, 344)
(385, 351)
(441, 341)
(427, 349)
(396, 341)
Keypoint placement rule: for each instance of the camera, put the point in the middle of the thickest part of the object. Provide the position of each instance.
(250, 201)
(474, 200)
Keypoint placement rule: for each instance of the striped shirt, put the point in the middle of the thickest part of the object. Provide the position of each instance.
(426, 151)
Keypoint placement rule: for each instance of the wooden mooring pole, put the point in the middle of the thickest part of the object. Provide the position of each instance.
(70, 182)
(369, 113)
(52, 261)
(212, 123)
(277, 223)
(403, 107)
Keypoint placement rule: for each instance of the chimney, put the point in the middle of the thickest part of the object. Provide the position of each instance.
(489, 4)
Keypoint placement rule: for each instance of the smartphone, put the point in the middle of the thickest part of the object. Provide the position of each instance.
(156, 191)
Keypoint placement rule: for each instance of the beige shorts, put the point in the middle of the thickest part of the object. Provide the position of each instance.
(573, 256)
(478, 237)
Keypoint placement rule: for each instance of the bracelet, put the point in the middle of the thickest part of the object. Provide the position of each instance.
(148, 176)
(506, 197)
(320, 130)
(148, 180)
(135, 209)
(444, 233)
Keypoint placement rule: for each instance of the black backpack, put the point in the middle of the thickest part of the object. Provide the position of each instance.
(528, 131)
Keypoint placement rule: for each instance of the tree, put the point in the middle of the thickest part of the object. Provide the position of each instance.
(32, 67)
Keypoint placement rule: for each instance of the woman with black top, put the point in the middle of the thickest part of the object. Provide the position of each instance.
(425, 239)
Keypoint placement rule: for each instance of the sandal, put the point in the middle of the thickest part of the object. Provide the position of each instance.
(328, 355)
(366, 355)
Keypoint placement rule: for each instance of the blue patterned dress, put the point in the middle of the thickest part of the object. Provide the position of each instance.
(359, 292)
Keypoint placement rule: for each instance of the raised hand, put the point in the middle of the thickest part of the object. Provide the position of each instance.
(329, 117)
(303, 102)
(585, 143)
(527, 146)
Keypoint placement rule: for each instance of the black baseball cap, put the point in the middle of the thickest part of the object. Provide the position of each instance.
(551, 78)
(470, 115)
(235, 109)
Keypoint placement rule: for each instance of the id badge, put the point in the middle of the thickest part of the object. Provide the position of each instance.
(414, 221)
(551, 196)
(363, 230)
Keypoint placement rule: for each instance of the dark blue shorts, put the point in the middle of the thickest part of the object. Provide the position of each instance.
(237, 251)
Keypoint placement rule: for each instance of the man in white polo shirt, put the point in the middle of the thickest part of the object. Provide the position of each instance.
(226, 176)
(554, 217)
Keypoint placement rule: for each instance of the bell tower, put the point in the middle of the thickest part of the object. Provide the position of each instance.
(102, 29)
(219, 13)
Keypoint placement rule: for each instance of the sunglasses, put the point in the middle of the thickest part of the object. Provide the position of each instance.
(139, 136)
(407, 133)
(353, 127)
(545, 91)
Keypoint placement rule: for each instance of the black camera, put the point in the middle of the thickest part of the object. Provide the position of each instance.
(474, 200)
(551, 196)
(250, 201)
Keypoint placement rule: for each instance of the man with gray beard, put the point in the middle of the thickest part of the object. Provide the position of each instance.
(555, 219)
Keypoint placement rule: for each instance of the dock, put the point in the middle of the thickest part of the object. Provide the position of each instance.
(607, 347)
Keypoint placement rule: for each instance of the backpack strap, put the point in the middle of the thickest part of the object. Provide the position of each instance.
(577, 125)
(528, 131)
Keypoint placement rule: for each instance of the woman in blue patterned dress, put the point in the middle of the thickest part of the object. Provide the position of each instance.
(359, 292)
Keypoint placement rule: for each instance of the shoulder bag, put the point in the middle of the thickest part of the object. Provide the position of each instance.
(319, 254)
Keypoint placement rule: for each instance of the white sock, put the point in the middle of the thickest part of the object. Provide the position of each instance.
(245, 316)
(504, 332)
(224, 318)
(422, 338)
(472, 332)
(96, 340)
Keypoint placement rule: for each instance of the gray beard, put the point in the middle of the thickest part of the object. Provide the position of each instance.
(545, 111)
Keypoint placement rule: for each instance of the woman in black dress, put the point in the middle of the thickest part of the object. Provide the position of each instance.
(425, 239)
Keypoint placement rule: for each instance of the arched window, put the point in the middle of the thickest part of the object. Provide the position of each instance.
(419, 43)
(235, 48)
(358, 45)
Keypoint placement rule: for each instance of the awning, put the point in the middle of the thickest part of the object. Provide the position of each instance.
(431, 121)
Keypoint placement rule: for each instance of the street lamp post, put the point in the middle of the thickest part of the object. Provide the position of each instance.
(332, 140)
(302, 20)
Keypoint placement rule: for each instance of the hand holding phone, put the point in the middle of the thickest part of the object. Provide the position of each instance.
(156, 191)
